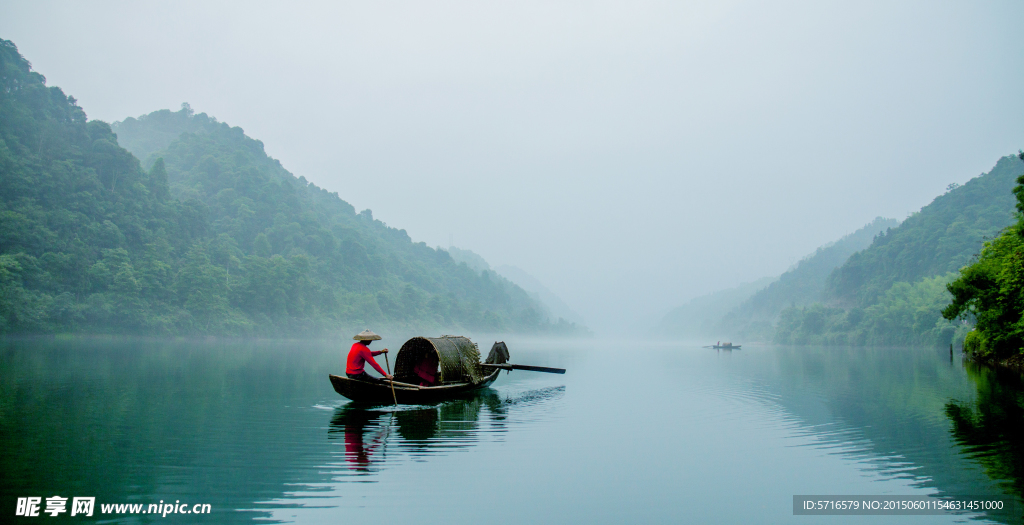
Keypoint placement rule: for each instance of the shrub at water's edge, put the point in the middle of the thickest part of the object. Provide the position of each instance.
(991, 292)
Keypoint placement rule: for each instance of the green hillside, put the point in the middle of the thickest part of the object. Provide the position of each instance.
(893, 292)
(943, 237)
(991, 292)
(213, 237)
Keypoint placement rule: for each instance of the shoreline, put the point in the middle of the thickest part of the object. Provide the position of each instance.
(1013, 363)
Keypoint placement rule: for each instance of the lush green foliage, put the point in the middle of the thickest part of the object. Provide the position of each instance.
(907, 314)
(215, 237)
(893, 293)
(991, 291)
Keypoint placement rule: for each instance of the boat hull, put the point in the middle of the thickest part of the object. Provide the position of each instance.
(380, 393)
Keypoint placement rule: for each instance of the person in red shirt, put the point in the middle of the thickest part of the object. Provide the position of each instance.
(360, 353)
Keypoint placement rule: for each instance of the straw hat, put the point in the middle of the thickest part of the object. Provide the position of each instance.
(366, 335)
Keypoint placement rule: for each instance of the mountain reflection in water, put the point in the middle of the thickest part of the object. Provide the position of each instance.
(990, 430)
(421, 430)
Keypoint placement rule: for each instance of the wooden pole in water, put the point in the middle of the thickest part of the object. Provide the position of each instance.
(392, 381)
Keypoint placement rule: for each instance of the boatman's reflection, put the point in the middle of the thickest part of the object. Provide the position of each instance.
(358, 451)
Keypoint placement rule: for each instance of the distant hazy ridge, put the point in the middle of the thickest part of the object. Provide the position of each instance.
(750, 311)
(552, 307)
(884, 284)
(800, 286)
(700, 316)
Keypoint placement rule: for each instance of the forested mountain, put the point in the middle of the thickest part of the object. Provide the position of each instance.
(83, 230)
(943, 237)
(213, 237)
(802, 285)
(894, 291)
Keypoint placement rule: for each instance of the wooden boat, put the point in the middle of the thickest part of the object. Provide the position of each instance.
(726, 346)
(379, 393)
(459, 372)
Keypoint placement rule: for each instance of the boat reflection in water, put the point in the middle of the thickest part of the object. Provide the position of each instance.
(371, 435)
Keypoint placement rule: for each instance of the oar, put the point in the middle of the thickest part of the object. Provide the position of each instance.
(509, 366)
(392, 381)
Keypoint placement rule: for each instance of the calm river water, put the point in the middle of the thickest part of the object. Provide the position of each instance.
(633, 433)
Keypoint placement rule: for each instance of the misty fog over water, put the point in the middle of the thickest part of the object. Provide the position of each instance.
(629, 156)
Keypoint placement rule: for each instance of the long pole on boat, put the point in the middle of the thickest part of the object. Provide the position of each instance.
(392, 381)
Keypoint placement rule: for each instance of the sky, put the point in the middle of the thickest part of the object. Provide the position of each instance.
(629, 155)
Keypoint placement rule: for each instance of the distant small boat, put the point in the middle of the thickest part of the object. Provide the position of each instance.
(724, 346)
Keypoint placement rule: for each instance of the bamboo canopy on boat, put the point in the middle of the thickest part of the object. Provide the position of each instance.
(458, 359)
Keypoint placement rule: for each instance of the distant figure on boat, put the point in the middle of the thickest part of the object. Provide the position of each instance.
(360, 353)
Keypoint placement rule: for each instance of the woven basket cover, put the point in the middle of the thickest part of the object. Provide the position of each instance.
(458, 358)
